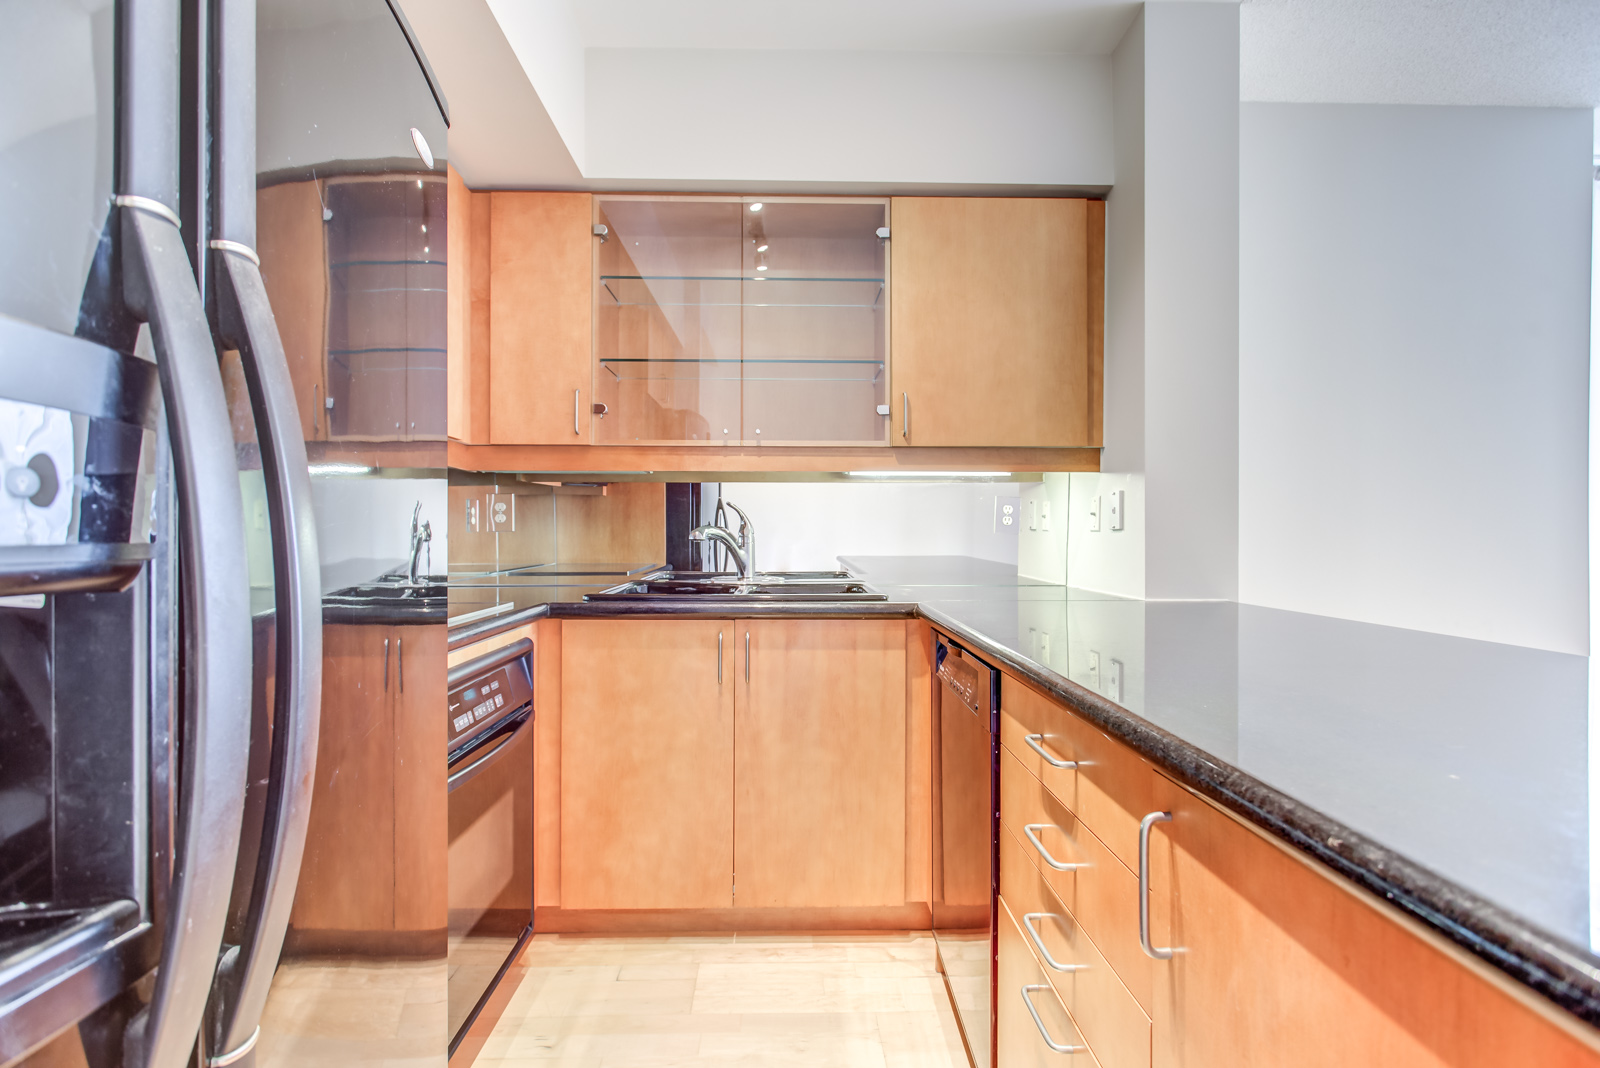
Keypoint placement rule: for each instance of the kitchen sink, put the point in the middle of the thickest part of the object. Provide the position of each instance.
(392, 594)
(766, 588)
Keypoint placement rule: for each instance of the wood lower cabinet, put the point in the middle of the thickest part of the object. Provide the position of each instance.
(376, 837)
(997, 321)
(819, 745)
(694, 759)
(1045, 1037)
(1280, 964)
(647, 764)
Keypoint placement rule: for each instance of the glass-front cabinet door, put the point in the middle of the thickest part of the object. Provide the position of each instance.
(742, 321)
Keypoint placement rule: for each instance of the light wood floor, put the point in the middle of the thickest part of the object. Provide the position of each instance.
(874, 1001)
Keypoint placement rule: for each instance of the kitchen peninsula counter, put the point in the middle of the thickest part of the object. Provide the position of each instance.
(1446, 776)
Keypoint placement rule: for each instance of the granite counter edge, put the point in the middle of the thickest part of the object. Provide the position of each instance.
(1541, 961)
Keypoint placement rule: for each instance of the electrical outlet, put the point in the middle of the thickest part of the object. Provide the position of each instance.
(1113, 689)
(1115, 506)
(1007, 512)
(502, 512)
(1044, 647)
(1094, 513)
(1094, 670)
(1044, 515)
(1033, 515)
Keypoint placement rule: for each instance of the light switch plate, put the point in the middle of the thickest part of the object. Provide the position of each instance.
(1113, 690)
(1094, 513)
(1044, 515)
(1115, 509)
(1094, 670)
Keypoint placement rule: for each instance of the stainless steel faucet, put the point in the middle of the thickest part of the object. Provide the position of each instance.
(420, 536)
(715, 533)
(747, 538)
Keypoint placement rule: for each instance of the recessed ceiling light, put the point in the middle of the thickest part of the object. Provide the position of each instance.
(761, 266)
(761, 248)
(756, 206)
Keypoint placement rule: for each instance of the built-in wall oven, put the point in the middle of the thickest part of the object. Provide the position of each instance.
(966, 813)
(490, 769)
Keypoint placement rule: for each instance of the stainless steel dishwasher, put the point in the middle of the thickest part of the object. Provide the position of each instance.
(490, 769)
(966, 813)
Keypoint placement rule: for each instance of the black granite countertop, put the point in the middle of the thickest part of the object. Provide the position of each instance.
(1447, 776)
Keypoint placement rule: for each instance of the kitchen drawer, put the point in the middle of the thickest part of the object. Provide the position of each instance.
(1019, 1042)
(1111, 788)
(1024, 714)
(1103, 895)
(1111, 1020)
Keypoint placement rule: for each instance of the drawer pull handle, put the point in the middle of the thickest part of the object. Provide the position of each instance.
(1059, 1047)
(1033, 741)
(1038, 943)
(1144, 885)
(1030, 830)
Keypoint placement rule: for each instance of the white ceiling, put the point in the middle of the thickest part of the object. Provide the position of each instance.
(1531, 53)
(1078, 27)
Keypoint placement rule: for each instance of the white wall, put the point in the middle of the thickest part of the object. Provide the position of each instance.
(1171, 375)
(548, 43)
(364, 525)
(806, 526)
(501, 134)
(854, 117)
(1191, 280)
(1414, 360)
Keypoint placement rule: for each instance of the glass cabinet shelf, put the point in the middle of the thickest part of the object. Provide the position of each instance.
(778, 369)
(740, 291)
(728, 320)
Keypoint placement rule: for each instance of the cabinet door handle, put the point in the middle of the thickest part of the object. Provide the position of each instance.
(1033, 837)
(1038, 943)
(400, 661)
(1059, 1047)
(719, 658)
(1033, 741)
(1144, 885)
(746, 656)
(386, 665)
(905, 416)
(316, 402)
(575, 410)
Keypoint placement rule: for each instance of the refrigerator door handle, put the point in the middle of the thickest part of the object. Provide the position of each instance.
(159, 288)
(244, 321)
(245, 978)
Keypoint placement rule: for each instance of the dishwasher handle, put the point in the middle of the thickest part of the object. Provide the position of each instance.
(487, 748)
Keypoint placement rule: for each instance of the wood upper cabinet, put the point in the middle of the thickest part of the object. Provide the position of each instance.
(1281, 964)
(541, 266)
(997, 321)
(820, 763)
(647, 764)
(291, 239)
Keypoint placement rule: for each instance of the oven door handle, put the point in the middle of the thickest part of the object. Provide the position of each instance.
(482, 758)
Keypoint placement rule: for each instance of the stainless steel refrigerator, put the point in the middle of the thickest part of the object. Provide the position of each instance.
(160, 589)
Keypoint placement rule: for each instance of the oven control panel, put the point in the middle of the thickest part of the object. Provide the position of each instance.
(486, 699)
